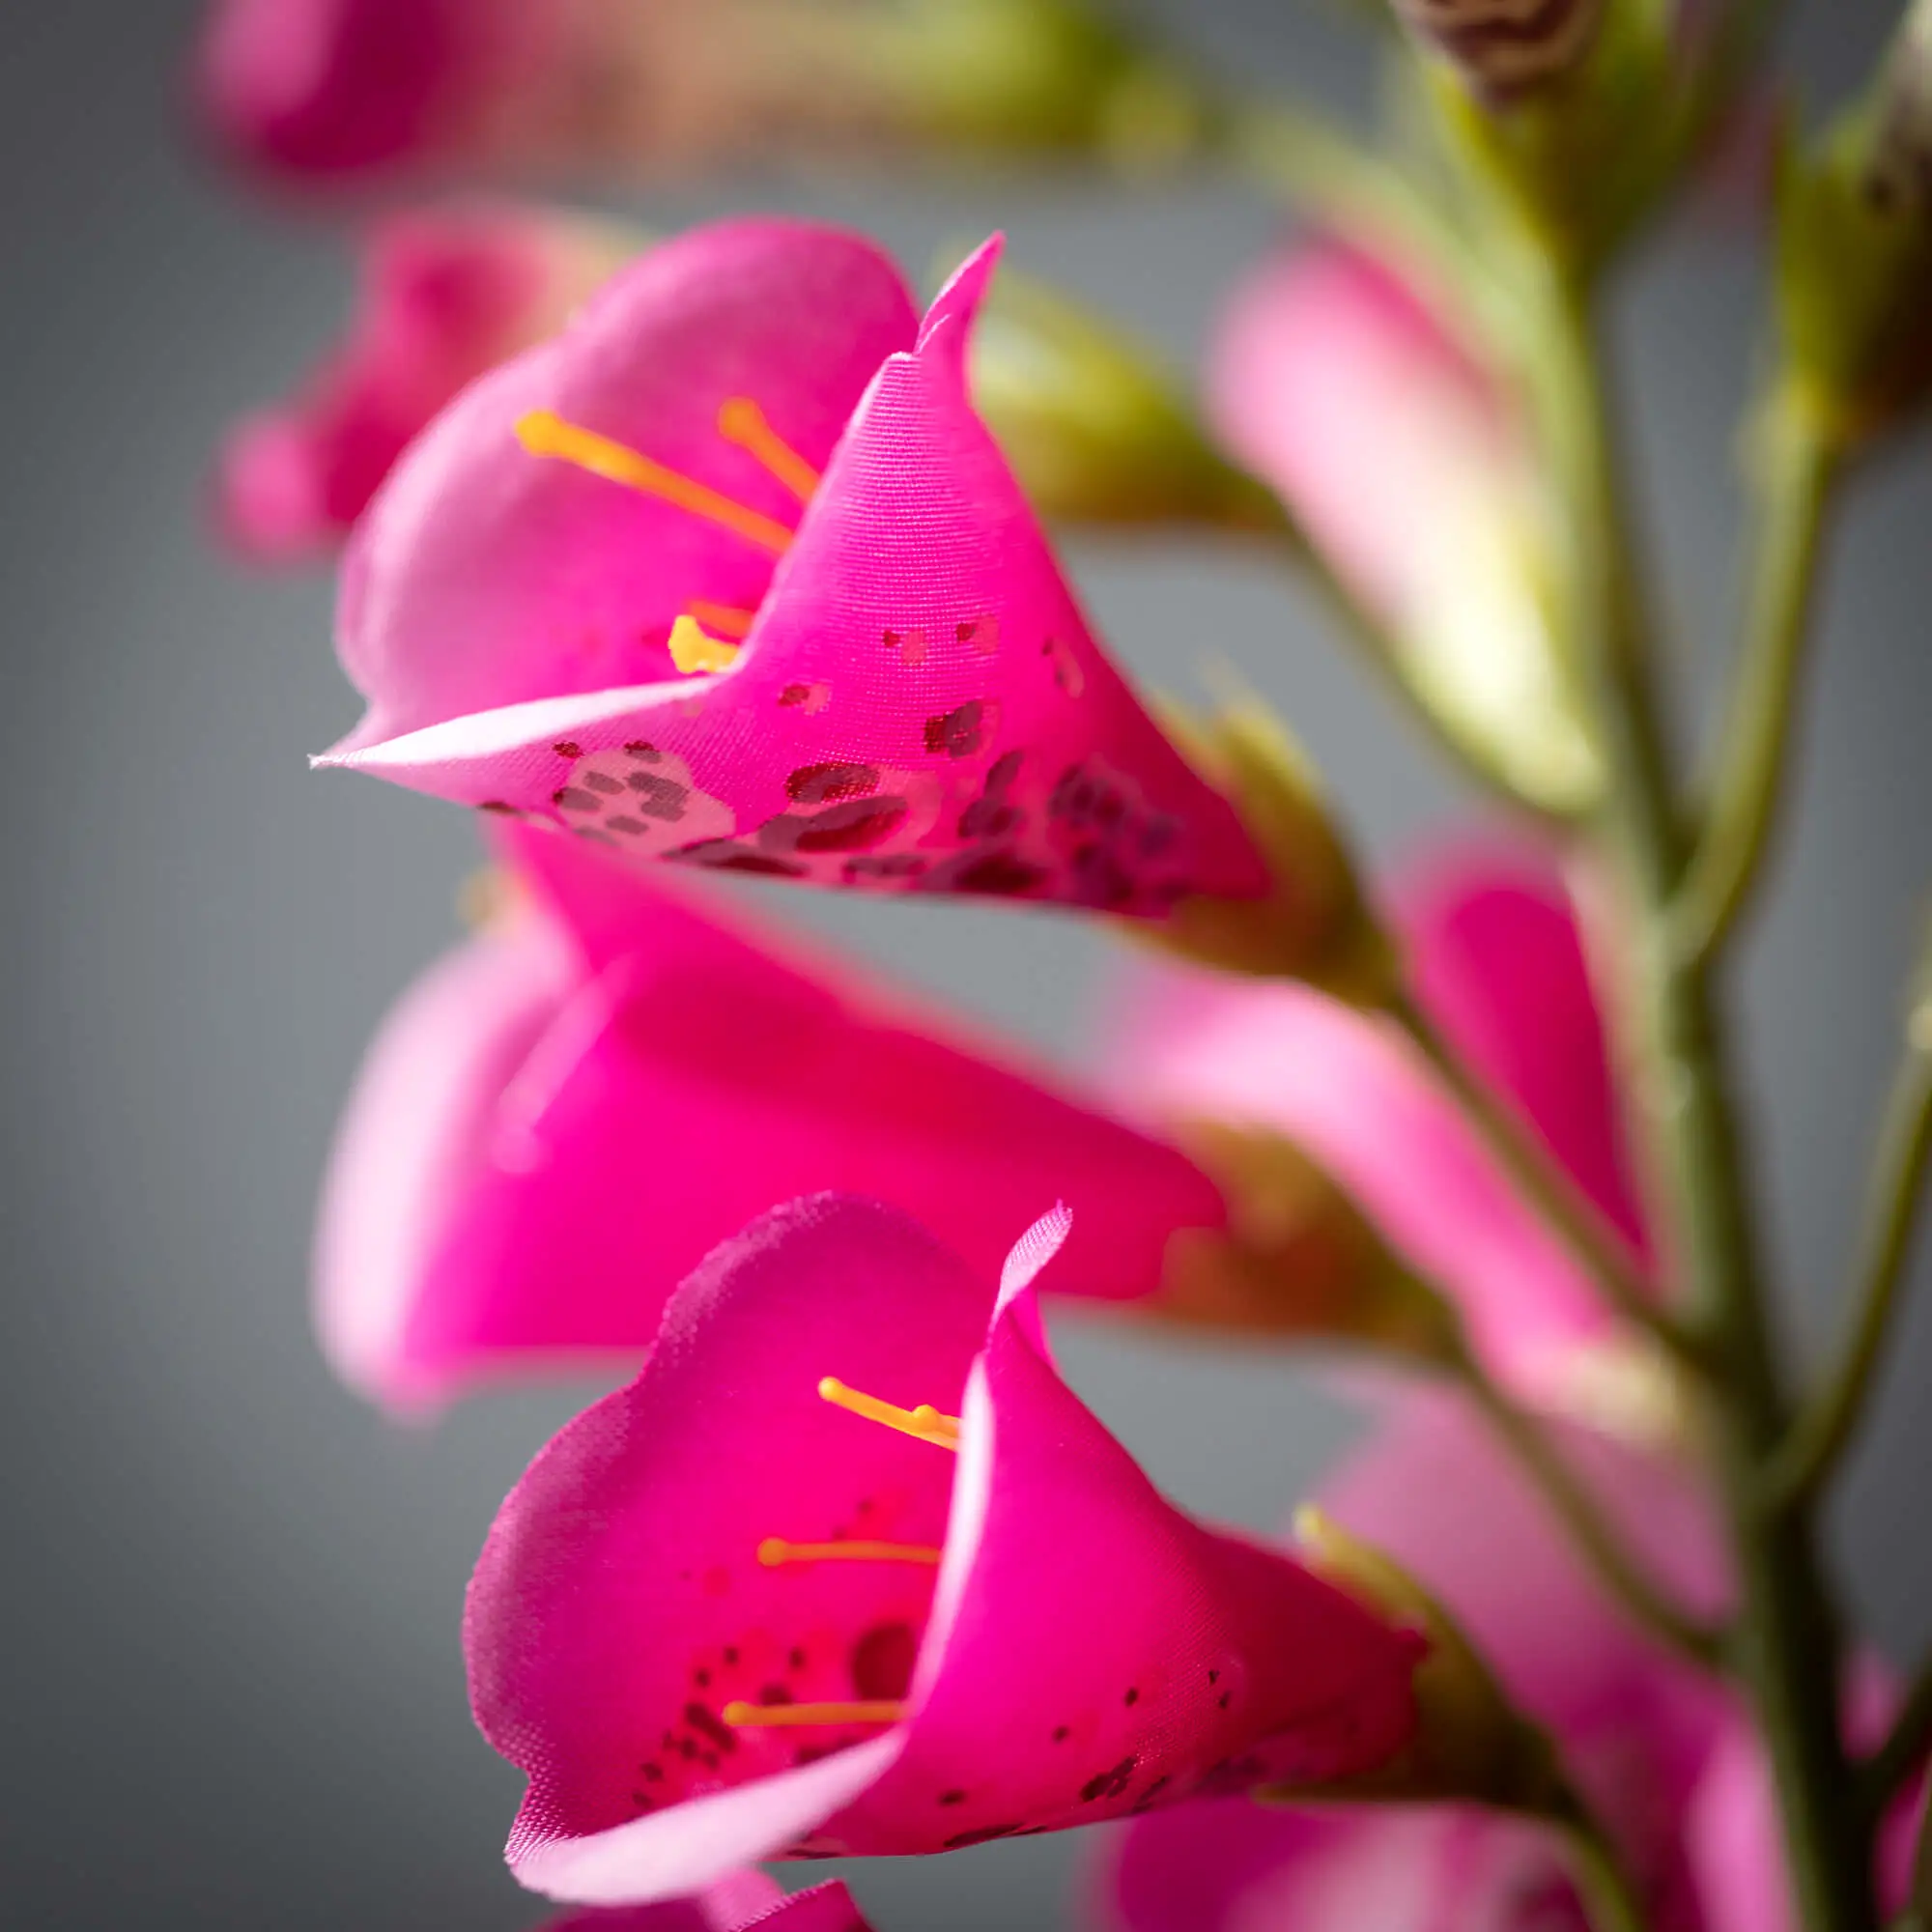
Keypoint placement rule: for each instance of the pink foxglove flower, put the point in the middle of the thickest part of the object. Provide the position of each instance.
(1665, 1754)
(1484, 926)
(748, 1902)
(730, 573)
(1639, 1726)
(566, 1115)
(1337, 381)
(446, 295)
(849, 1569)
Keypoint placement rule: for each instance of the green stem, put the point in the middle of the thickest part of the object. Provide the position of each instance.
(1827, 1425)
(1904, 1747)
(1788, 1643)
(1799, 463)
(1590, 1242)
(1594, 1536)
(1918, 1917)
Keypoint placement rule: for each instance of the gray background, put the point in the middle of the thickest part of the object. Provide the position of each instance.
(232, 1695)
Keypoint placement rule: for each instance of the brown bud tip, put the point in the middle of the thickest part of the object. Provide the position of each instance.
(1506, 48)
(1898, 173)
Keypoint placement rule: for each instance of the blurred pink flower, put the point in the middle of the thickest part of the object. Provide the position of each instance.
(1496, 959)
(892, 687)
(744, 1902)
(660, 1635)
(446, 294)
(1639, 1726)
(1336, 379)
(567, 1114)
(1664, 1751)
(334, 88)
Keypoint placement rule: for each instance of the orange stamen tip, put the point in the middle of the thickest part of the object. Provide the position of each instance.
(741, 421)
(691, 650)
(775, 1551)
(727, 620)
(927, 1423)
(744, 1716)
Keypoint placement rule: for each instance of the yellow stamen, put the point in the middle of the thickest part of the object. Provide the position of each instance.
(543, 433)
(740, 1716)
(741, 421)
(775, 1551)
(691, 650)
(727, 619)
(925, 1422)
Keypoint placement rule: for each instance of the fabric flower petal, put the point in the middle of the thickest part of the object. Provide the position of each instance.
(1188, 1045)
(1497, 956)
(446, 294)
(569, 1112)
(664, 1633)
(741, 1903)
(1334, 380)
(1638, 1725)
(915, 705)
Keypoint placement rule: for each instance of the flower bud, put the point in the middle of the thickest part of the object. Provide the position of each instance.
(1470, 1742)
(1855, 250)
(1297, 1257)
(1368, 401)
(1314, 925)
(1502, 48)
(1097, 430)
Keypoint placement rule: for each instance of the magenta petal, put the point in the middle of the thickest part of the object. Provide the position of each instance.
(446, 294)
(486, 576)
(918, 706)
(740, 1903)
(567, 1115)
(1082, 1649)
(1436, 1492)
(1230, 1868)
(1497, 959)
(1347, 1089)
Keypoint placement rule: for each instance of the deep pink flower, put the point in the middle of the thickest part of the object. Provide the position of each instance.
(744, 1902)
(748, 460)
(1638, 1725)
(341, 87)
(567, 1114)
(1340, 383)
(1665, 1752)
(1496, 957)
(446, 294)
(660, 1634)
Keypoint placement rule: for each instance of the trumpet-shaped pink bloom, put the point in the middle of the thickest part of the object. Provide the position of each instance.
(749, 1607)
(567, 1114)
(1663, 1751)
(333, 88)
(1496, 957)
(1339, 383)
(1639, 1726)
(446, 294)
(731, 574)
(747, 1902)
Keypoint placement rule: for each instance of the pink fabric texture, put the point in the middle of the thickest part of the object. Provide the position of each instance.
(446, 294)
(751, 451)
(1060, 1646)
(1334, 380)
(1496, 959)
(748, 1902)
(1639, 1726)
(567, 1114)
(328, 89)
